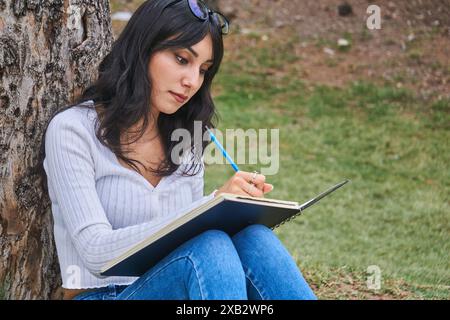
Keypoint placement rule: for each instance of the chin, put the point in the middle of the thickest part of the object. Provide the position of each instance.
(170, 110)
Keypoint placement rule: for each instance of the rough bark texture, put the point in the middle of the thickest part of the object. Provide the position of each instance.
(49, 52)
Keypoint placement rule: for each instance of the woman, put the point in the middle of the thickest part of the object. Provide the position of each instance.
(112, 181)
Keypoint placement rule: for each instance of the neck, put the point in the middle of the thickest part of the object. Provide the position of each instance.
(151, 132)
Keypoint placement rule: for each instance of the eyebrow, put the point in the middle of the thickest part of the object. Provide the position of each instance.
(196, 54)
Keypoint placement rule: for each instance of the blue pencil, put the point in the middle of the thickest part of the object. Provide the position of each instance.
(221, 148)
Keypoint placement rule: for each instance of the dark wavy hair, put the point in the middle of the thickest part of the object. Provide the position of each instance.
(123, 87)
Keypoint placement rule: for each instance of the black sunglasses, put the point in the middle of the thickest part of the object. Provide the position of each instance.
(202, 12)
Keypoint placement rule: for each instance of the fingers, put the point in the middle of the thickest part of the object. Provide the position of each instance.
(267, 188)
(250, 177)
(247, 188)
(253, 191)
(243, 184)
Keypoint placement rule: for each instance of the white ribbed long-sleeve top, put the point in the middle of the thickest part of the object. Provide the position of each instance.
(100, 208)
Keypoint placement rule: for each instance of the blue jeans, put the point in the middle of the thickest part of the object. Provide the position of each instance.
(253, 264)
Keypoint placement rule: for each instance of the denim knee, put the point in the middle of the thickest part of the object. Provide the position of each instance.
(257, 239)
(213, 243)
(215, 251)
(254, 231)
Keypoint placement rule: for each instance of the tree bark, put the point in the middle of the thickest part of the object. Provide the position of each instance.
(49, 52)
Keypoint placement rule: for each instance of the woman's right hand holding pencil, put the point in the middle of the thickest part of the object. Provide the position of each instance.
(242, 183)
(246, 184)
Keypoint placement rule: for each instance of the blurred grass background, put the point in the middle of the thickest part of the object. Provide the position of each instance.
(393, 214)
(392, 144)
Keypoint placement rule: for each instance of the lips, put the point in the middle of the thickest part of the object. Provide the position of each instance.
(178, 97)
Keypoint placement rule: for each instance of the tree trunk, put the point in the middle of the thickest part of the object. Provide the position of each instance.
(49, 52)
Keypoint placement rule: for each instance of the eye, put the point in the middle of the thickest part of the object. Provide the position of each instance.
(180, 59)
(184, 61)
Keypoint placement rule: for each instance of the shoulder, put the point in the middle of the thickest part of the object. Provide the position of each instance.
(77, 119)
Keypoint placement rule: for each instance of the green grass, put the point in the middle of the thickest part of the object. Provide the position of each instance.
(393, 147)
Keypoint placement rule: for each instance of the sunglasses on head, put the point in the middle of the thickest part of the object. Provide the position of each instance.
(202, 12)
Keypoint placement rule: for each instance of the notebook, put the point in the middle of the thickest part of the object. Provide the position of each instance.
(227, 212)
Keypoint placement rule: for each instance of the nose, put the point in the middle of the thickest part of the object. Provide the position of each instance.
(191, 79)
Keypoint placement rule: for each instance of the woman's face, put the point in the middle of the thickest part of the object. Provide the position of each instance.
(177, 74)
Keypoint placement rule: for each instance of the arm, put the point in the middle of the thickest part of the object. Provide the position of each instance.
(70, 170)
